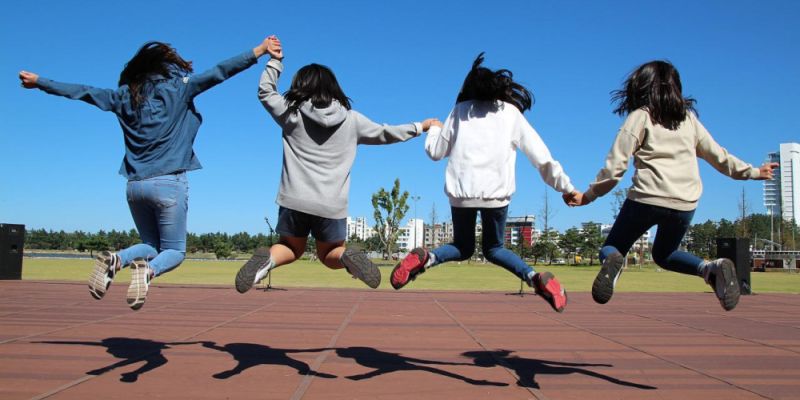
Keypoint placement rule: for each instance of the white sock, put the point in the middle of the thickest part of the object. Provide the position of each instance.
(262, 273)
(529, 278)
(431, 261)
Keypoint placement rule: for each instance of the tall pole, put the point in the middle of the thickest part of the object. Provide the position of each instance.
(414, 240)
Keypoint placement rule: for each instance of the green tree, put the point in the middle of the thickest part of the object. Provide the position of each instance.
(222, 249)
(592, 240)
(570, 243)
(389, 209)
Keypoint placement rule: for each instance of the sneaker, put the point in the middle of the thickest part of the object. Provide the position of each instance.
(106, 266)
(141, 274)
(256, 266)
(409, 267)
(721, 275)
(358, 265)
(549, 288)
(606, 279)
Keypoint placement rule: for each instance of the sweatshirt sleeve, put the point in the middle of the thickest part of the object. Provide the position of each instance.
(268, 94)
(617, 160)
(719, 158)
(104, 99)
(539, 155)
(438, 144)
(372, 133)
(199, 83)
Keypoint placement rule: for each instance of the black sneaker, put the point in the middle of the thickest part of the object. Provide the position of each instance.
(606, 279)
(106, 266)
(721, 275)
(359, 265)
(248, 274)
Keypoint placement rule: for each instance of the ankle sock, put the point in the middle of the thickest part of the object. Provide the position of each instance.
(262, 273)
(431, 261)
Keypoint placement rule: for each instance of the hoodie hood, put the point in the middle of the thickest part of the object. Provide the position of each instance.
(327, 117)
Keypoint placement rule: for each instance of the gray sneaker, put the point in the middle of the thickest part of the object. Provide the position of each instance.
(720, 274)
(141, 273)
(106, 266)
(359, 265)
(249, 274)
(606, 279)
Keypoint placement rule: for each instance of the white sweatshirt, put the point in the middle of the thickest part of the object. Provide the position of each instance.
(481, 140)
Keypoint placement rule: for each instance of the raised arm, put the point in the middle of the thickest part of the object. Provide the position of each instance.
(539, 155)
(199, 83)
(371, 133)
(438, 143)
(104, 99)
(268, 94)
(719, 158)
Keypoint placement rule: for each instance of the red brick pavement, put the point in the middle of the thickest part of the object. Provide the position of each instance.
(192, 342)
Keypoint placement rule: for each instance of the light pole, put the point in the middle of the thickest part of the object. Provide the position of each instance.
(414, 240)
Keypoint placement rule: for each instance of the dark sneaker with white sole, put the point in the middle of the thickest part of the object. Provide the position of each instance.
(606, 279)
(361, 267)
(409, 267)
(549, 288)
(106, 266)
(141, 274)
(721, 275)
(248, 275)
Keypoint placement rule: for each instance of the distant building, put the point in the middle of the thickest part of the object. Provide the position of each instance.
(438, 234)
(411, 235)
(358, 226)
(782, 194)
(520, 230)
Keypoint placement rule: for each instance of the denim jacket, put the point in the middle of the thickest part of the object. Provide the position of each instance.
(159, 134)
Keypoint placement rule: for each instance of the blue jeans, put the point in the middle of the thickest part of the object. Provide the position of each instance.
(636, 218)
(159, 206)
(493, 221)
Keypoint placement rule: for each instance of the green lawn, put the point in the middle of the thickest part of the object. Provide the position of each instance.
(451, 276)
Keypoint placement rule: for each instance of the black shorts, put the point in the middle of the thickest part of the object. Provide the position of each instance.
(299, 224)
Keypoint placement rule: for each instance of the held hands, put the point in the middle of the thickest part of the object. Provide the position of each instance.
(765, 171)
(575, 198)
(274, 47)
(28, 79)
(426, 124)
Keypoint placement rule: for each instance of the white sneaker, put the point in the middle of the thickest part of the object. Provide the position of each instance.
(106, 266)
(141, 273)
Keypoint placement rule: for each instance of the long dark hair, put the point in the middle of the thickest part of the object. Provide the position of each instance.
(153, 58)
(317, 83)
(656, 87)
(484, 84)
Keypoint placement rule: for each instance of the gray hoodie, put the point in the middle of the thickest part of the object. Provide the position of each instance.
(319, 146)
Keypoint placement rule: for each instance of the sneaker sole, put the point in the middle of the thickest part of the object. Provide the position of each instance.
(137, 291)
(245, 278)
(548, 281)
(727, 278)
(603, 286)
(396, 284)
(97, 279)
(362, 268)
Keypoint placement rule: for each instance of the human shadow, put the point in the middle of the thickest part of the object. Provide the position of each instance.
(130, 351)
(250, 355)
(527, 368)
(383, 363)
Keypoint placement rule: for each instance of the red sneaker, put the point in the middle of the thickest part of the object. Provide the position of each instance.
(547, 286)
(409, 267)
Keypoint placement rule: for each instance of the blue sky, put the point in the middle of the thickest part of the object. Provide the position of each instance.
(400, 62)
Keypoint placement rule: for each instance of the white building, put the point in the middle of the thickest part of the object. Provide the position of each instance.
(439, 234)
(358, 226)
(782, 194)
(411, 235)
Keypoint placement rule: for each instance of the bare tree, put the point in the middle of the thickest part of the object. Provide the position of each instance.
(743, 209)
(546, 213)
(433, 218)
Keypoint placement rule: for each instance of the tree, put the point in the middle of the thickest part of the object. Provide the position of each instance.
(387, 226)
(592, 240)
(434, 219)
(222, 249)
(619, 199)
(570, 242)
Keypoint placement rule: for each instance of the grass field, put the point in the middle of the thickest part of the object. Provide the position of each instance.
(451, 276)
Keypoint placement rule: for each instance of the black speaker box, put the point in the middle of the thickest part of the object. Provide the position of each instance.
(12, 241)
(738, 251)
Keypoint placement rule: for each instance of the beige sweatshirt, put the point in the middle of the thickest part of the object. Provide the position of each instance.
(667, 173)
